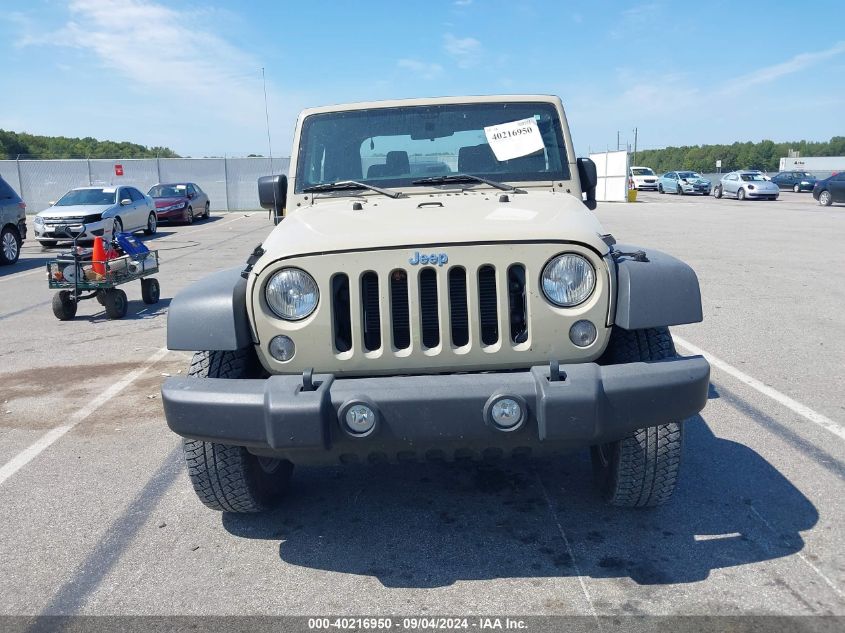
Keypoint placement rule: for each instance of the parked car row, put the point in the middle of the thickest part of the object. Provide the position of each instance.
(103, 211)
(108, 210)
(741, 184)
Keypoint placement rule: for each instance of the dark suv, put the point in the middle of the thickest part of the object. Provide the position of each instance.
(12, 223)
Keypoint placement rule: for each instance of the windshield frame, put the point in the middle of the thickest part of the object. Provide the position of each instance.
(555, 136)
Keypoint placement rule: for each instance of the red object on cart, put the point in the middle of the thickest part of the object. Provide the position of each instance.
(98, 260)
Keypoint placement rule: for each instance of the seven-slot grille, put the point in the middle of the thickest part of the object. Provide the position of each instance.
(437, 306)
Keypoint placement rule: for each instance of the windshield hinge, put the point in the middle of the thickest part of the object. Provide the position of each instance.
(637, 256)
(256, 255)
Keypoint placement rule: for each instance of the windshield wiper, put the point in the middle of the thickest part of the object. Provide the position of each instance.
(443, 180)
(340, 185)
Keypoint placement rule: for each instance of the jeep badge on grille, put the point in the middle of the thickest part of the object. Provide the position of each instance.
(433, 258)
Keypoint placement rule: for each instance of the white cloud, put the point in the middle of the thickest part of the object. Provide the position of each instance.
(171, 58)
(466, 51)
(425, 70)
(797, 63)
(463, 3)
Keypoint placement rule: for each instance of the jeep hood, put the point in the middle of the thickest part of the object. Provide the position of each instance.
(442, 218)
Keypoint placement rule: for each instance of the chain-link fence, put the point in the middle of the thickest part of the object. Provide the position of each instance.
(231, 183)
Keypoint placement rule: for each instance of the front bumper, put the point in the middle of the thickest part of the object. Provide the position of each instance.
(762, 194)
(436, 417)
(173, 214)
(645, 186)
(53, 233)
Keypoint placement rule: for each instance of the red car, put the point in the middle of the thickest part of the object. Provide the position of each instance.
(179, 202)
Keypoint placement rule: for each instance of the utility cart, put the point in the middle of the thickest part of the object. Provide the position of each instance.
(86, 274)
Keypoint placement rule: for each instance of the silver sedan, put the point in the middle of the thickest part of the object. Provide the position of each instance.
(745, 185)
(103, 211)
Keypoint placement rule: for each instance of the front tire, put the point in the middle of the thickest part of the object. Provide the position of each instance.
(660, 189)
(10, 245)
(717, 192)
(797, 188)
(64, 307)
(207, 213)
(117, 227)
(740, 195)
(825, 199)
(189, 216)
(230, 478)
(640, 470)
(679, 190)
(152, 224)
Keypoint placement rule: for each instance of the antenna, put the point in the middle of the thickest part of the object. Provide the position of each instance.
(269, 144)
(267, 118)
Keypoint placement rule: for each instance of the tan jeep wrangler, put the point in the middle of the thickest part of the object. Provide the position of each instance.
(437, 288)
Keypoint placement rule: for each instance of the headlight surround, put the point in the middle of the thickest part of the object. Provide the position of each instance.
(38, 220)
(292, 294)
(568, 279)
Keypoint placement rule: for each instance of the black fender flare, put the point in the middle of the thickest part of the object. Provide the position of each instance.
(655, 291)
(210, 315)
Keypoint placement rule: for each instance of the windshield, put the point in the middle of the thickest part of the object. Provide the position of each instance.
(87, 196)
(688, 174)
(752, 177)
(642, 171)
(167, 191)
(392, 147)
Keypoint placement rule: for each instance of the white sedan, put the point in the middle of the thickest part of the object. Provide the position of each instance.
(103, 210)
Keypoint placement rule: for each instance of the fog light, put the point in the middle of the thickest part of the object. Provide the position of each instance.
(282, 348)
(505, 413)
(359, 419)
(582, 333)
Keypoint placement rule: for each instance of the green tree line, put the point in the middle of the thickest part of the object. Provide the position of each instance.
(764, 155)
(14, 144)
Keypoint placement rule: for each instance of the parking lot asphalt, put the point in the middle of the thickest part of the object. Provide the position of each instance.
(99, 516)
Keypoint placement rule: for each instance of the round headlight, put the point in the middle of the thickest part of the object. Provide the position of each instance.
(292, 294)
(568, 280)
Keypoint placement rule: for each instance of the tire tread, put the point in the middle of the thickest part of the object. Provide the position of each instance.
(648, 462)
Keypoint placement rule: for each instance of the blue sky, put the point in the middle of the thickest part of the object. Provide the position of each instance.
(186, 74)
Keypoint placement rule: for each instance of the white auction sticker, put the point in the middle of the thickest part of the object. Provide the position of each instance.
(514, 139)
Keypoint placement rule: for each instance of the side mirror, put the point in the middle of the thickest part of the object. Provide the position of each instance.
(125, 202)
(589, 180)
(272, 194)
(190, 196)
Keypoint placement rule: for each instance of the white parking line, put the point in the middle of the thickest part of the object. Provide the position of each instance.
(818, 571)
(804, 411)
(40, 269)
(31, 452)
(569, 550)
(201, 228)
